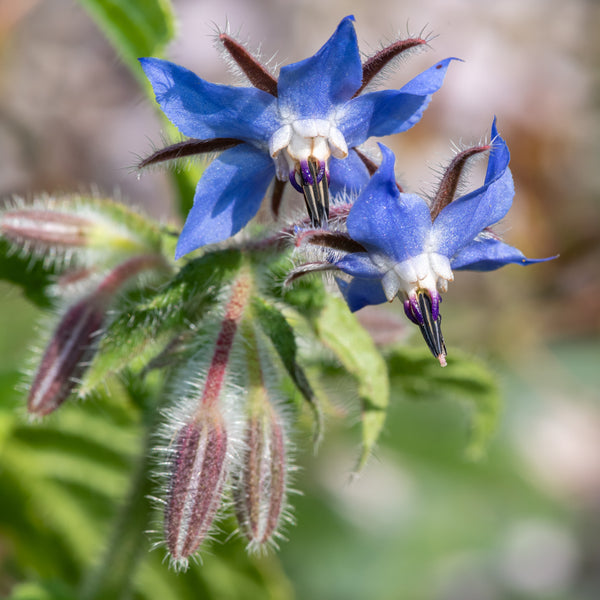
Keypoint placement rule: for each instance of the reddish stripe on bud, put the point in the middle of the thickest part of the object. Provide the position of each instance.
(45, 228)
(233, 313)
(199, 469)
(259, 492)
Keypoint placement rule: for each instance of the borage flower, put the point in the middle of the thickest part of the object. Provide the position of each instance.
(301, 126)
(401, 245)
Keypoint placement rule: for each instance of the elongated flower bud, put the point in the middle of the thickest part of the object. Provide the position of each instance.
(87, 229)
(65, 356)
(72, 344)
(45, 228)
(202, 434)
(196, 484)
(259, 488)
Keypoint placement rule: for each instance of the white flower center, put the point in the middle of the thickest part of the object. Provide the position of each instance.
(427, 271)
(305, 139)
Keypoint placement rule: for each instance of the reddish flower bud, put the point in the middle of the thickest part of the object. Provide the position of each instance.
(64, 360)
(198, 472)
(259, 488)
(72, 344)
(45, 228)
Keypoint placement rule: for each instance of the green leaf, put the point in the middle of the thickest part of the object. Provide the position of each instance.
(465, 379)
(339, 330)
(136, 28)
(278, 330)
(45, 590)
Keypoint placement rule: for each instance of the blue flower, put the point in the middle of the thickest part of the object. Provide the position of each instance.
(407, 247)
(302, 126)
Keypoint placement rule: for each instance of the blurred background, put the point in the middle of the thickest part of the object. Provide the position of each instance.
(421, 522)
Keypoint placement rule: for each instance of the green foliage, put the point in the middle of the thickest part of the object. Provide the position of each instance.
(135, 28)
(30, 274)
(467, 380)
(70, 482)
(338, 329)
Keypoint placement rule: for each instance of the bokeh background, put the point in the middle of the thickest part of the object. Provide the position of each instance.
(422, 521)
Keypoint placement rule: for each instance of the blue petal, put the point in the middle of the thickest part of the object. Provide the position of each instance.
(228, 195)
(391, 111)
(461, 221)
(488, 254)
(361, 292)
(312, 87)
(347, 175)
(358, 264)
(205, 110)
(385, 221)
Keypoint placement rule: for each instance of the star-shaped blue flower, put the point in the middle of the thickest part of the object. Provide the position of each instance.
(407, 247)
(302, 126)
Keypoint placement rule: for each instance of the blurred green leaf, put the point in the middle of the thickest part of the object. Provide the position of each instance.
(339, 330)
(46, 590)
(29, 273)
(467, 380)
(136, 28)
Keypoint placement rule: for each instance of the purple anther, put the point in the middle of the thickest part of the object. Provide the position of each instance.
(321, 172)
(294, 181)
(417, 315)
(307, 177)
(435, 304)
(409, 313)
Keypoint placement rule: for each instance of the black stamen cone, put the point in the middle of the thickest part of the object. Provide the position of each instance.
(431, 330)
(316, 197)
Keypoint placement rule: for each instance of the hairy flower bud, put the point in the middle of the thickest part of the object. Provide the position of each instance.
(87, 229)
(45, 228)
(201, 437)
(64, 360)
(259, 486)
(198, 472)
(72, 343)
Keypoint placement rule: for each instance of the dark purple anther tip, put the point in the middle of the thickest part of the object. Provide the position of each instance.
(409, 313)
(294, 182)
(435, 305)
(321, 172)
(417, 315)
(307, 177)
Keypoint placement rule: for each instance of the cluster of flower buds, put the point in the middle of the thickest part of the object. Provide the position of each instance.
(224, 439)
(98, 250)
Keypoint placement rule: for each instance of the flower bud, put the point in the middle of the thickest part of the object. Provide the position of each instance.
(45, 228)
(198, 472)
(259, 489)
(72, 344)
(87, 229)
(64, 360)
